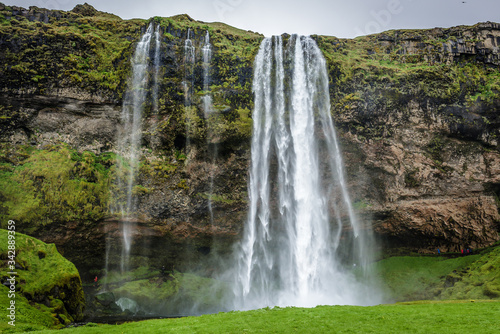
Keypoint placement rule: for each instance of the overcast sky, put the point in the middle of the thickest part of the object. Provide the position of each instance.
(341, 18)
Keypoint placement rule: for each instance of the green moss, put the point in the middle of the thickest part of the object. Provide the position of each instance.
(218, 198)
(150, 293)
(28, 317)
(439, 277)
(368, 76)
(91, 51)
(44, 275)
(417, 278)
(170, 293)
(183, 185)
(480, 280)
(55, 185)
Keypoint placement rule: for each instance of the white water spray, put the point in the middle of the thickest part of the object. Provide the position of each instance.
(300, 213)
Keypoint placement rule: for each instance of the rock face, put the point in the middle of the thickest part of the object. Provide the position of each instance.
(417, 114)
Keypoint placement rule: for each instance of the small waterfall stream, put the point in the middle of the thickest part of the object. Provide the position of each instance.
(129, 145)
(207, 56)
(297, 222)
(188, 83)
(154, 95)
(211, 121)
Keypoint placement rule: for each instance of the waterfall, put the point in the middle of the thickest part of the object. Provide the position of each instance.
(156, 76)
(300, 217)
(207, 108)
(207, 55)
(129, 143)
(188, 68)
(188, 84)
(156, 69)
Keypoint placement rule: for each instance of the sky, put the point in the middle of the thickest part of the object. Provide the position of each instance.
(340, 18)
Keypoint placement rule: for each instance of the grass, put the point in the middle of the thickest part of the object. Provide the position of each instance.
(481, 280)
(424, 317)
(417, 278)
(439, 277)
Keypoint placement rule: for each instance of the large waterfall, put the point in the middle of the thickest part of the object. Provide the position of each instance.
(300, 219)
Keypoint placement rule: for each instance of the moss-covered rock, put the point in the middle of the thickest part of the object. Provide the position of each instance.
(55, 185)
(167, 293)
(46, 279)
(448, 276)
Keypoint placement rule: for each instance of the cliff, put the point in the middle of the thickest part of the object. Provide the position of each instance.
(416, 112)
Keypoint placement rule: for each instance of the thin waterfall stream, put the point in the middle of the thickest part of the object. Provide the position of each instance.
(129, 145)
(211, 121)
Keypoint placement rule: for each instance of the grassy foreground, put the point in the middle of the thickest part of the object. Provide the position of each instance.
(420, 317)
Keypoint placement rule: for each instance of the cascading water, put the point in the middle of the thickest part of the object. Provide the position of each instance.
(189, 57)
(207, 55)
(156, 64)
(156, 69)
(207, 108)
(300, 215)
(129, 140)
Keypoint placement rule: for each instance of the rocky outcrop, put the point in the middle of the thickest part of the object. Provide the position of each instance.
(440, 45)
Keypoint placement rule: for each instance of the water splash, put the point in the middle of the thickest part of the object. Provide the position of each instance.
(298, 223)
(128, 145)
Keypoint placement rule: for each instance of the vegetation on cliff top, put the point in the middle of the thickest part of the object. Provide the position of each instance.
(47, 284)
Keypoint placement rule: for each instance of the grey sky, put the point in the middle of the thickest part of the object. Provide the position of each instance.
(345, 18)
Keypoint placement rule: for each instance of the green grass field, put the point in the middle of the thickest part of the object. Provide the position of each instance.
(421, 317)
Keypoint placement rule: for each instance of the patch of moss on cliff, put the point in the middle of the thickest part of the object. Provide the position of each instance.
(45, 278)
(230, 71)
(55, 185)
(375, 77)
(54, 49)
